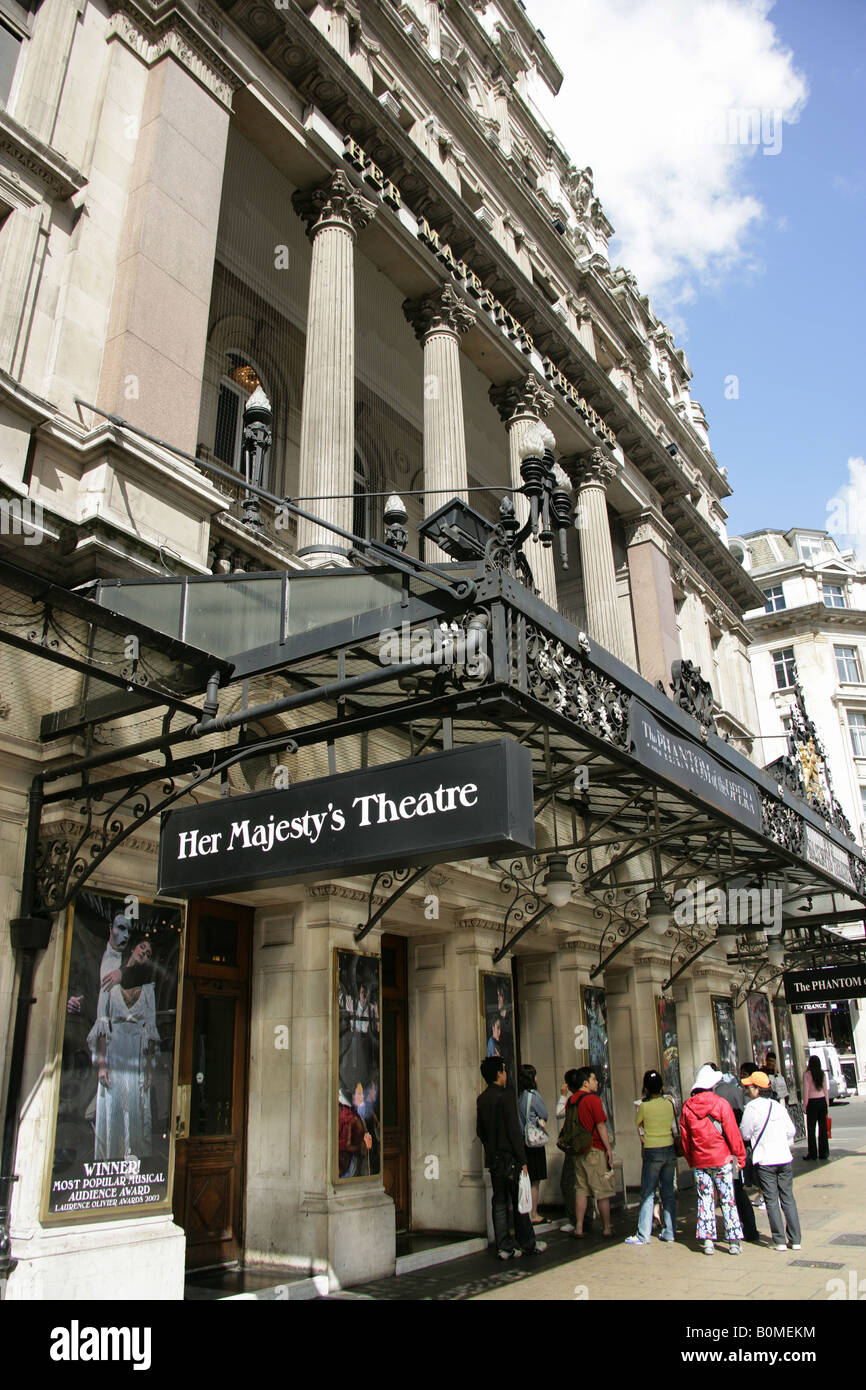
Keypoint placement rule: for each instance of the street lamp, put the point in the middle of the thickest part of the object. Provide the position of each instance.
(657, 912)
(558, 882)
(255, 447)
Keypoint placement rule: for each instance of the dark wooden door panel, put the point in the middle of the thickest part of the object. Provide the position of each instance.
(213, 1067)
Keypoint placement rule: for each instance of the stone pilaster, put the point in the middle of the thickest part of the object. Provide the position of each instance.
(522, 405)
(439, 320)
(590, 475)
(334, 212)
(583, 317)
(655, 618)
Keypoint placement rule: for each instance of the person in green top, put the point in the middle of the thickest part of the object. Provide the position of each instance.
(657, 1122)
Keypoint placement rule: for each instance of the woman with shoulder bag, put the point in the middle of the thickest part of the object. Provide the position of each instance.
(533, 1119)
(657, 1123)
(768, 1127)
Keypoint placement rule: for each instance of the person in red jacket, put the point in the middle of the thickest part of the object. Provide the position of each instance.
(711, 1143)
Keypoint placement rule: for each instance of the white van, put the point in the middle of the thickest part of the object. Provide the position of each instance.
(837, 1086)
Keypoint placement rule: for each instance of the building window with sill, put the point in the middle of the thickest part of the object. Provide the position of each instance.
(848, 665)
(775, 599)
(857, 729)
(834, 596)
(785, 667)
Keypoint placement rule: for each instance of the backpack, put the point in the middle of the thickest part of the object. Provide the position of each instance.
(574, 1138)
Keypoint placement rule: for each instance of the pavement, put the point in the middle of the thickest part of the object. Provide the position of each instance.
(831, 1264)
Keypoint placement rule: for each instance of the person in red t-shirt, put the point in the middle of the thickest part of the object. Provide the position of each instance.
(593, 1170)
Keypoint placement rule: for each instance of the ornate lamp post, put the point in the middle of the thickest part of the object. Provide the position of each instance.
(255, 448)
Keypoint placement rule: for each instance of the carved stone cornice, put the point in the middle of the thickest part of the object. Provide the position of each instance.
(522, 400)
(24, 149)
(334, 203)
(441, 311)
(336, 890)
(479, 924)
(152, 31)
(595, 469)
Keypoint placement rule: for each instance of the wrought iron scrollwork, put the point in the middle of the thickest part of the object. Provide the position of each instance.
(569, 685)
(693, 694)
(782, 824)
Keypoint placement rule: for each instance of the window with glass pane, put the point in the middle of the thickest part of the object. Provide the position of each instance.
(857, 726)
(834, 596)
(863, 804)
(775, 599)
(785, 667)
(848, 664)
(212, 1065)
(809, 547)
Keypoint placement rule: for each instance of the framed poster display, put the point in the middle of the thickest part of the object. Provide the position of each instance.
(669, 1050)
(595, 1010)
(727, 1052)
(760, 1027)
(112, 1149)
(786, 1058)
(497, 1021)
(358, 1147)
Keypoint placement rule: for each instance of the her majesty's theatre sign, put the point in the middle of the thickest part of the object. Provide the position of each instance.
(459, 804)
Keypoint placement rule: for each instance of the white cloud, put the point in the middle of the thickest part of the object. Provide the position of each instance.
(656, 96)
(846, 511)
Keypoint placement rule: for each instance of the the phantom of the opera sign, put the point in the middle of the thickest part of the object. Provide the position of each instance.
(460, 804)
(819, 986)
(114, 1116)
(691, 767)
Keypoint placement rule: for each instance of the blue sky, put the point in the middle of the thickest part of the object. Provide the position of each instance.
(758, 261)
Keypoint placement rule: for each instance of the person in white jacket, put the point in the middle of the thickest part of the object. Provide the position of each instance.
(768, 1127)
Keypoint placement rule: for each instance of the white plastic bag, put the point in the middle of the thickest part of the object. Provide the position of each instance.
(524, 1195)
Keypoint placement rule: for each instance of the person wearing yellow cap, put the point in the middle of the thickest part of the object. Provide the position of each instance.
(768, 1127)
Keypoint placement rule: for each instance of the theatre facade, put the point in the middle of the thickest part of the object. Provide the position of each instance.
(375, 690)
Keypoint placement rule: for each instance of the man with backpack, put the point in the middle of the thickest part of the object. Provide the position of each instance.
(584, 1140)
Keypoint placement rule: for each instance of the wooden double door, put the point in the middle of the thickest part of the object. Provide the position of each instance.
(212, 1083)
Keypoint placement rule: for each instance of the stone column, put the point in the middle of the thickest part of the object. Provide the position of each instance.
(334, 212)
(439, 320)
(331, 18)
(522, 405)
(590, 474)
(652, 600)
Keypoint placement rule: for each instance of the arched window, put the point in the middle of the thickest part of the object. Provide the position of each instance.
(240, 379)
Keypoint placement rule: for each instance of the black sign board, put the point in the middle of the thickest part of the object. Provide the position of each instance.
(690, 766)
(819, 986)
(460, 804)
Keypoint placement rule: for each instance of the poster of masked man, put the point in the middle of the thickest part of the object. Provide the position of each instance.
(119, 1007)
(358, 1076)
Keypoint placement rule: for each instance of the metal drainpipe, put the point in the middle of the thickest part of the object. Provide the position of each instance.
(29, 935)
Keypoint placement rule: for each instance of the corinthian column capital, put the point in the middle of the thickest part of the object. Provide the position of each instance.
(595, 469)
(521, 400)
(442, 311)
(334, 203)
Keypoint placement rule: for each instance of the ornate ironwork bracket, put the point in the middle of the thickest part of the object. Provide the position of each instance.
(386, 879)
(630, 928)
